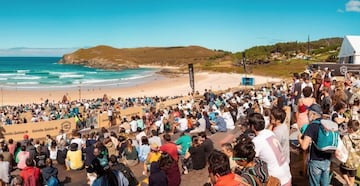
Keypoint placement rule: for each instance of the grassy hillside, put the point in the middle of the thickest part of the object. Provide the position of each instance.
(173, 56)
(280, 59)
(321, 50)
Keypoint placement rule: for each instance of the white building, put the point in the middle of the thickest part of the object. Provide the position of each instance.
(350, 50)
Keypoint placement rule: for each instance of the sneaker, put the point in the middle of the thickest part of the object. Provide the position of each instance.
(186, 172)
(144, 173)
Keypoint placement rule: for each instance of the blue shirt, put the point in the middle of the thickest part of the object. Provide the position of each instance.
(220, 122)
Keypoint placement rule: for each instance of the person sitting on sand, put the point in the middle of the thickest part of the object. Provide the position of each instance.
(74, 158)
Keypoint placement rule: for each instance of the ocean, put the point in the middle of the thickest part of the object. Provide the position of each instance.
(46, 73)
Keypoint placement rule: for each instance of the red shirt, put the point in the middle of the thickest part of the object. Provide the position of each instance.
(228, 180)
(171, 149)
(27, 171)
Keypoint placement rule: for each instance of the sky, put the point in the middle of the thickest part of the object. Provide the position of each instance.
(53, 28)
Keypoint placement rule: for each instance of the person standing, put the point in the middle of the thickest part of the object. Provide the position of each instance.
(319, 162)
(110, 115)
(268, 149)
(352, 143)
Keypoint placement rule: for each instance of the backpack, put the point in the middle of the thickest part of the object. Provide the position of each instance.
(31, 180)
(353, 160)
(328, 136)
(52, 181)
(271, 181)
(128, 174)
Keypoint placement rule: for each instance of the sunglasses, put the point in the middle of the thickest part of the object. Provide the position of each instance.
(239, 159)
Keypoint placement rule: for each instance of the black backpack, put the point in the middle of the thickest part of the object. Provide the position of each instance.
(127, 173)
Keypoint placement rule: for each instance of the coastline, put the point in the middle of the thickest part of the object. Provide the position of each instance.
(153, 86)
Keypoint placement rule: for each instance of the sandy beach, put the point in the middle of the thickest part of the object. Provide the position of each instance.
(163, 86)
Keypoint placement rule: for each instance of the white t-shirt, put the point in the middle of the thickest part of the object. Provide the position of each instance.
(156, 140)
(268, 149)
(183, 124)
(229, 120)
(138, 137)
(60, 136)
(110, 111)
(78, 141)
(133, 125)
(4, 171)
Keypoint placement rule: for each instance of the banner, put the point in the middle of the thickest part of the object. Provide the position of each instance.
(191, 77)
(38, 130)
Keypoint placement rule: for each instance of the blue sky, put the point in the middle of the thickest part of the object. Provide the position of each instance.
(55, 27)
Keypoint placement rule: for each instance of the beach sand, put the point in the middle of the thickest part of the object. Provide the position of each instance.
(165, 86)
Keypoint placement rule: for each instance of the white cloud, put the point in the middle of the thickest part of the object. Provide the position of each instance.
(353, 6)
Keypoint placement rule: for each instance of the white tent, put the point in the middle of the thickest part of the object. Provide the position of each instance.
(350, 50)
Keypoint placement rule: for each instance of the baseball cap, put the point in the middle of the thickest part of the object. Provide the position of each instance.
(315, 108)
(26, 136)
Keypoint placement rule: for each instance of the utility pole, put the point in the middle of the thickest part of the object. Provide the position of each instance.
(308, 47)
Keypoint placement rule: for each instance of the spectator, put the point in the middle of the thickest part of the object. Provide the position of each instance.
(303, 103)
(352, 144)
(4, 171)
(219, 170)
(144, 149)
(207, 143)
(106, 176)
(157, 176)
(22, 156)
(219, 124)
(53, 150)
(268, 149)
(49, 173)
(74, 158)
(184, 142)
(253, 168)
(170, 147)
(338, 117)
(153, 156)
(281, 131)
(227, 149)
(197, 154)
(40, 158)
(228, 119)
(201, 124)
(30, 173)
(61, 153)
(101, 154)
(130, 154)
(319, 161)
(171, 168)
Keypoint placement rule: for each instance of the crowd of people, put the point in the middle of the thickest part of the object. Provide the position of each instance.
(51, 110)
(172, 141)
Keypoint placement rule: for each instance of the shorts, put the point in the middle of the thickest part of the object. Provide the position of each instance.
(349, 172)
(110, 118)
